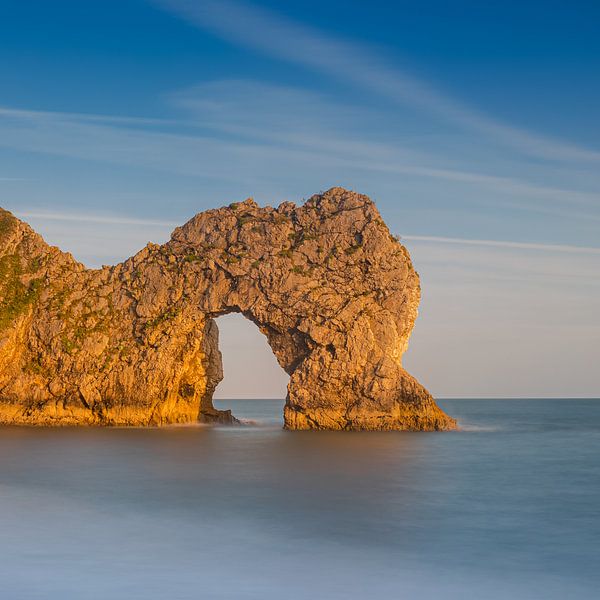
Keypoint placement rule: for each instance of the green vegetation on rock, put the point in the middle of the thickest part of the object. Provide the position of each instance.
(7, 223)
(15, 296)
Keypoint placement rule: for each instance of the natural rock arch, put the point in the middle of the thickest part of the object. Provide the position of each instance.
(136, 344)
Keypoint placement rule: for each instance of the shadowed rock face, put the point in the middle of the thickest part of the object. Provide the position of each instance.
(137, 344)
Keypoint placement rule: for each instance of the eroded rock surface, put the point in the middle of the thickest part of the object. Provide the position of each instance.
(136, 343)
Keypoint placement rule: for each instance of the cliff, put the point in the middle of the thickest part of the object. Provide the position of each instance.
(136, 344)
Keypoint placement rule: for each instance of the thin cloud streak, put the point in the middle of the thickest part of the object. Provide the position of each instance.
(91, 218)
(271, 34)
(6, 111)
(504, 244)
(505, 184)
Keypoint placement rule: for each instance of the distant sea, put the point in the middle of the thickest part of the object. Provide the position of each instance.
(506, 508)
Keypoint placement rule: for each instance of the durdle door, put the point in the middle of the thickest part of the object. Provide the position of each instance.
(136, 344)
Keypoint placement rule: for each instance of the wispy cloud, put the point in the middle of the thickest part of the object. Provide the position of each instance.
(304, 119)
(284, 39)
(70, 116)
(569, 249)
(92, 218)
(296, 118)
(247, 130)
(75, 136)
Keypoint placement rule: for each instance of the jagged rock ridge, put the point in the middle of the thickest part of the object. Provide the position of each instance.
(136, 343)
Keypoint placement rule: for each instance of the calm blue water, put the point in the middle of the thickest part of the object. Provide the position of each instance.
(507, 508)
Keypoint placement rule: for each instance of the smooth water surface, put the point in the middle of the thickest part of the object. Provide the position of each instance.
(509, 507)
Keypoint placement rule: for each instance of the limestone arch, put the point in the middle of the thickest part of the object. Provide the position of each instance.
(333, 291)
(336, 296)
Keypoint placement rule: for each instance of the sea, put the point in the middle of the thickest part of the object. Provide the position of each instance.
(508, 507)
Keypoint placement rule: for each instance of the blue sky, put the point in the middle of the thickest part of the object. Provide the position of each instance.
(473, 125)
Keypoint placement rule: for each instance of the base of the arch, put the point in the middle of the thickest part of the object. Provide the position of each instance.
(402, 418)
(218, 417)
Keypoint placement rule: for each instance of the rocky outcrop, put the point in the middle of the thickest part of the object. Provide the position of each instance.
(136, 344)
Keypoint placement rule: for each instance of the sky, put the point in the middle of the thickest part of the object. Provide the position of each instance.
(473, 126)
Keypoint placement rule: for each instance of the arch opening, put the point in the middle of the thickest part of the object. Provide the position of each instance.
(250, 369)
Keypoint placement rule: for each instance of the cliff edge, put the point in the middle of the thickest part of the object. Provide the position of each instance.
(136, 344)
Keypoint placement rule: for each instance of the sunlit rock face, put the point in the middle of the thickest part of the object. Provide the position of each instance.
(136, 344)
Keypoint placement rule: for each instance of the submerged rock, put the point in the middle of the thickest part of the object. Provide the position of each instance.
(136, 344)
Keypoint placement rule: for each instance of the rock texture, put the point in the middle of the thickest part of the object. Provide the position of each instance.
(136, 344)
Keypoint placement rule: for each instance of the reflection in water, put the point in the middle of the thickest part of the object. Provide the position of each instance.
(507, 510)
